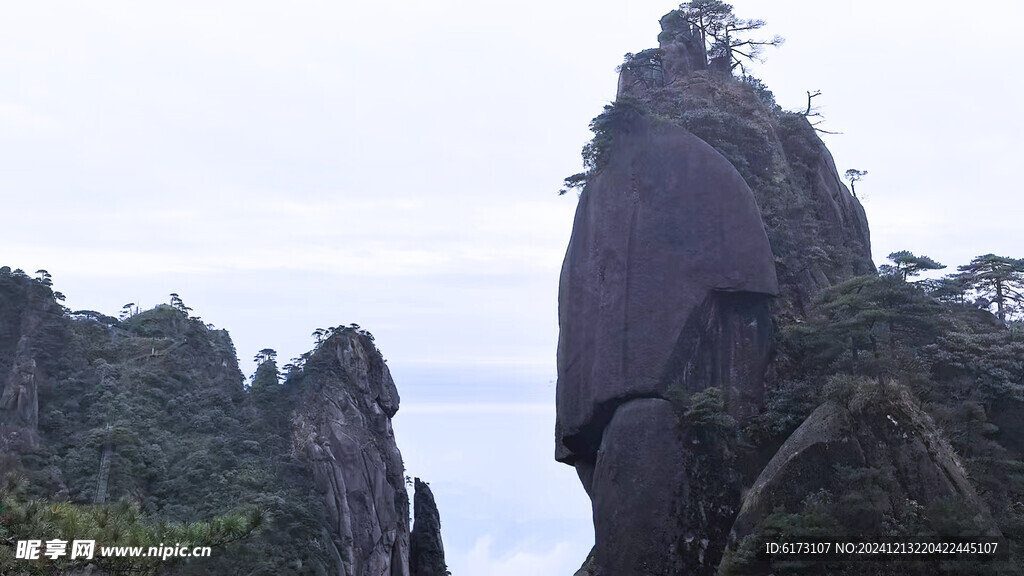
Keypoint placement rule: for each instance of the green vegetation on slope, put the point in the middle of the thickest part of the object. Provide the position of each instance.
(957, 362)
(151, 412)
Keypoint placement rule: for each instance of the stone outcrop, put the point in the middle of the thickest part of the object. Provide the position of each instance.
(710, 202)
(664, 293)
(20, 399)
(835, 220)
(426, 551)
(880, 452)
(30, 328)
(818, 229)
(682, 47)
(638, 478)
(877, 432)
(342, 427)
(664, 226)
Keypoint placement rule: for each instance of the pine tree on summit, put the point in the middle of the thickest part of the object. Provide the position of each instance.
(723, 33)
(267, 375)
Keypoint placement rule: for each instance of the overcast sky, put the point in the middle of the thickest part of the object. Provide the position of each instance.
(288, 166)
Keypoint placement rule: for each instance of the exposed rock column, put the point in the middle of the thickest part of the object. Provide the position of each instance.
(664, 292)
(28, 315)
(638, 480)
(426, 551)
(342, 427)
(20, 398)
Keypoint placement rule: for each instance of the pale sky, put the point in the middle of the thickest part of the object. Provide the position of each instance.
(288, 166)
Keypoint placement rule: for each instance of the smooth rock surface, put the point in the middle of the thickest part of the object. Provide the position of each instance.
(665, 223)
(639, 482)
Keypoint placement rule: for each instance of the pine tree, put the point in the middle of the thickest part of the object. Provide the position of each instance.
(906, 264)
(998, 278)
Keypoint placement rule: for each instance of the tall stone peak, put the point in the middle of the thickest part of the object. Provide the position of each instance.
(341, 426)
(664, 226)
(664, 294)
(710, 229)
(32, 328)
(426, 551)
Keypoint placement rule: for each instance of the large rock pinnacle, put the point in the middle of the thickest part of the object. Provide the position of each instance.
(342, 427)
(426, 551)
(664, 292)
(668, 222)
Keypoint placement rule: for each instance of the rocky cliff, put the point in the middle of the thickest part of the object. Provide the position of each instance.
(150, 412)
(342, 428)
(31, 328)
(712, 394)
(818, 230)
(664, 293)
(426, 551)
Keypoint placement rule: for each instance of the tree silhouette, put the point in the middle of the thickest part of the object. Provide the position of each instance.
(724, 35)
(812, 112)
(44, 278)
(854, 175)
(998, 278)
(267, 354)
(906, 264)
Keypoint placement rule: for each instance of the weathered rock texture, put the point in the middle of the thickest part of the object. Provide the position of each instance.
(880, 431)
(426, 551)
(710, 201)
(665, 225)
(680, 52)
(875, 464)
(31, 327)
(818, 230)
(664, 293)
(638, 480)
(153, 408)
(342, 427)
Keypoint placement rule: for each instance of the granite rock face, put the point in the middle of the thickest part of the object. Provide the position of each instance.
(426, 551)
(664, 293)
(878, 451)
(818, 229)
(638, 479)
(714, 216)
(834, 220)
(342, 428)
(667, 223)
(31, 329)
(883, 434)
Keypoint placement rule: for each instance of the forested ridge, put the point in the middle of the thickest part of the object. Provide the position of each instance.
(146, 431)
